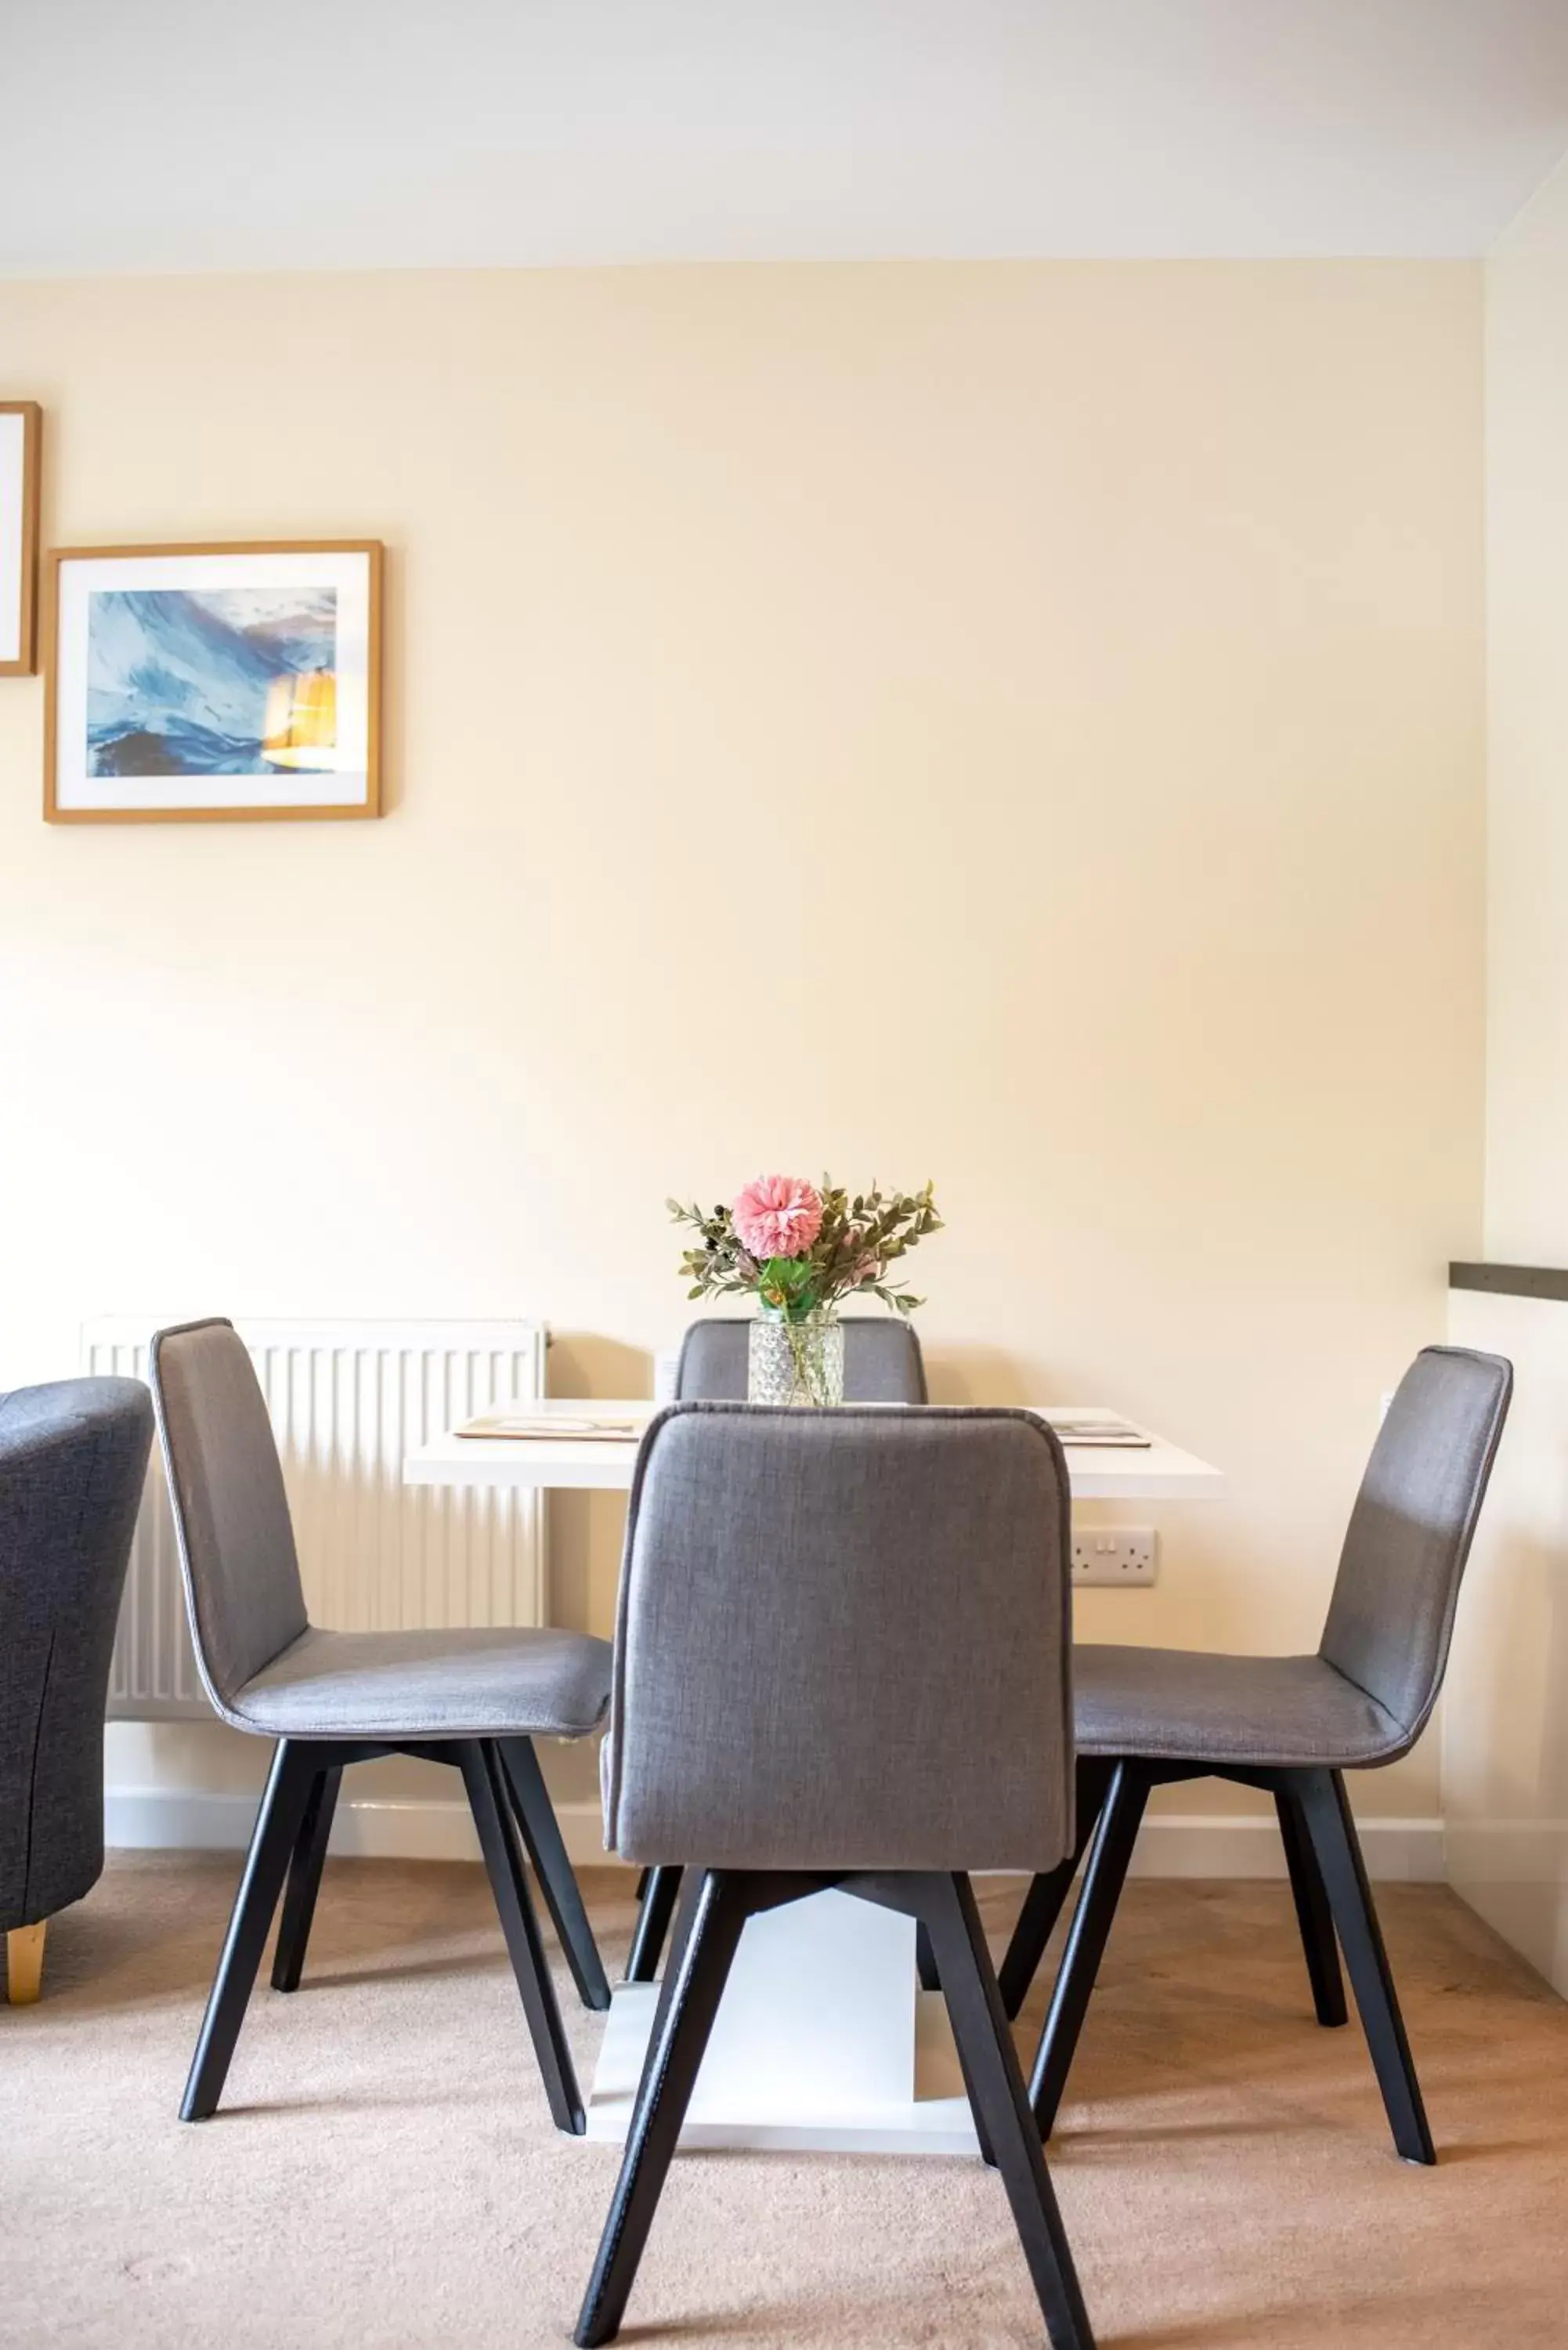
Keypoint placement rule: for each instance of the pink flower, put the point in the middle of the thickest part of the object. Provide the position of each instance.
(777, 1215)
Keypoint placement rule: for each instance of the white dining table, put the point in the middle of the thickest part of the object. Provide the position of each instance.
(824, 2038)
(1155, 1472)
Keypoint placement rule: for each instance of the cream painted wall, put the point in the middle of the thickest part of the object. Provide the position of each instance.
(1527, 589)
(1506, 1726)
(1019, 723)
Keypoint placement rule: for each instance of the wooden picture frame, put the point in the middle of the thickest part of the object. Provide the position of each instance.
(259, 614)
(21, 475)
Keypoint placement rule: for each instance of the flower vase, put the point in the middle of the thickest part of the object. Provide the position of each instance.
(796, 1360)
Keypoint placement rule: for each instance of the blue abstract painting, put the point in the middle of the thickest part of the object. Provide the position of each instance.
(183, 681)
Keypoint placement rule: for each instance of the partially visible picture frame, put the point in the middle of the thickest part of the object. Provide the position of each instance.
(21, 471)
(234, 682)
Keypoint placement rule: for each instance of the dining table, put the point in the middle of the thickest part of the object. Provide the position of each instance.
(824, 2038)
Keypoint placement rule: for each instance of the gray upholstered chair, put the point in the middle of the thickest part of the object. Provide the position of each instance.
(472, 1698)
(882, 1360)
(812, 1605)
(882, 1364)
(1291, 1726)
(73, 1461)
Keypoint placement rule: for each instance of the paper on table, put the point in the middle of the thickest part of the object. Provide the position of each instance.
(542, 1427)
(1090, 1428)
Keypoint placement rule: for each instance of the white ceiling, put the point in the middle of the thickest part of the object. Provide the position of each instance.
(201, 134)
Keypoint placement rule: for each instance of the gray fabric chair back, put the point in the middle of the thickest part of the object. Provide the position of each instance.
(844, 1641)
(1392, 1614)
(230, 1514)
(882, 1361)
(73, 1464)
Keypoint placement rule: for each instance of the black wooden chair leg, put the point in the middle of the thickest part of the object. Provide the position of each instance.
(273, 1840)
(1047, 1894)
(926, 1961)
(694, 1988)
(541, 1833)
(305, 1879)
(686, 1908)
(926, 1956)
(1103, 1877)
(484, 1780)
(1002, 2108)
(1326, 1810)
(1314, 1915)
(1042, 1905)
(652, 1923)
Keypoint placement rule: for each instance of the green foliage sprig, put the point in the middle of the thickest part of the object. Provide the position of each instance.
(858, 1242)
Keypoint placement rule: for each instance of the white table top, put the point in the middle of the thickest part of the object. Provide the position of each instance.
(1158, 1472)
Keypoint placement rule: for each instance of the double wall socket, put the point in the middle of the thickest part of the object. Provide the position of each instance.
(1116, 1555)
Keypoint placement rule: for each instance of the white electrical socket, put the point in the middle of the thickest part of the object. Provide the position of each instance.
(1120, 1554)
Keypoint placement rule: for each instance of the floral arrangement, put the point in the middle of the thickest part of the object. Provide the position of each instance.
(800, 1249)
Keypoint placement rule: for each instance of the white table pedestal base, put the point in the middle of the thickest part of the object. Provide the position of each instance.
(822, 2039)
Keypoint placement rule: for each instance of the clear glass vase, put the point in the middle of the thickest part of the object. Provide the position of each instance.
(799, 1362)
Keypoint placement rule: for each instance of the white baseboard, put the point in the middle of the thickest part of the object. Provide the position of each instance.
(178, 1819)
(1218, 1843)
(1171, 1845)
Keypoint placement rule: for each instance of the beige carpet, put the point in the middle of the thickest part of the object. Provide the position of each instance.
(384, 2174)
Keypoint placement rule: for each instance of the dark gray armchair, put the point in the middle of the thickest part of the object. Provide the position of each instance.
(1291, 1726)
(812, 1605)
(73, 1461)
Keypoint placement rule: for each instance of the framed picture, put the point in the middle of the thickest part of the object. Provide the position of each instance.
(21, 445)
(225, 683)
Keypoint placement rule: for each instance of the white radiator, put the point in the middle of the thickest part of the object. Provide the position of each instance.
(348, 1400)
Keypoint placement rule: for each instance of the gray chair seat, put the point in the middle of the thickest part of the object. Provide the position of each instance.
(1186, 1706)
(468, 1683)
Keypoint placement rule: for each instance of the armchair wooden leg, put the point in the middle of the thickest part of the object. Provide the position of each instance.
(24, 1962)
